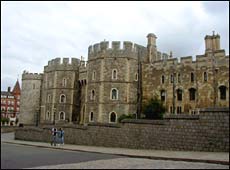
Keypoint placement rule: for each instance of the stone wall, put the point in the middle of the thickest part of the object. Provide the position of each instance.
(207, 132)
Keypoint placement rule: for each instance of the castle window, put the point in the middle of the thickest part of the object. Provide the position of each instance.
(114, 94)
(62, 116)
(192, 94)
(178, 109)
(162, 79)
(64, 82)
(223, 90)
(178, 77)
(163, 94)
(171, 109)
(62, 98)
(205, 76)
(179, 94)
(171, 78)
(92, 96)
(91, 117)
(192, 77)
(33, 86)
(112, 117)
(114, 74)
(94, 75)
(136, 77)
(49, 98)
(48, 115)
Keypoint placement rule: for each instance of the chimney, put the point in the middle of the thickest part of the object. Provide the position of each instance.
(8, 89)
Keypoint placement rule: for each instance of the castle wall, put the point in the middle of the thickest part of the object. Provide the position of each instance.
(60, 78)
(102, 62)
(30, 98)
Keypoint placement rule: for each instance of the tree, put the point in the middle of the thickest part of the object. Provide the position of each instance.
(154, 109)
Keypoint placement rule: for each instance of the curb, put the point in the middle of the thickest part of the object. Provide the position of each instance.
(131, 156)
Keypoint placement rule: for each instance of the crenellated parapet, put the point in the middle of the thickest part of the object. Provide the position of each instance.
(31, 76)
(64, 64)
(124, 49)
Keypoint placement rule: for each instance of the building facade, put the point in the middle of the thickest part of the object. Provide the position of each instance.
(10, 102)
(116, 80)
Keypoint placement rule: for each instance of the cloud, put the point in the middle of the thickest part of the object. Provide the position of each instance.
(35, 32)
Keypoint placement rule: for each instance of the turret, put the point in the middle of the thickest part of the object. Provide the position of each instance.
(151, 47)
(212, 42)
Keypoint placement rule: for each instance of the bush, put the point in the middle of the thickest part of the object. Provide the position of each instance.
(5, 119)
(124, 116)
(154, 109)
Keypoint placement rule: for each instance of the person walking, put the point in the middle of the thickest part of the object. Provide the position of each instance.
(62, 136)
(53, 137)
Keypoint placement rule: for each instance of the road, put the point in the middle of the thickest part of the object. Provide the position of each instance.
(15, 156)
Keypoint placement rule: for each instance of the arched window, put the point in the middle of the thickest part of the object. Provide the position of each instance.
(62, 116)
(178, 77)
(192, 77)
(64, 82)
(94, 75)
(49, 98)
(91, 117)
(223, 90)
(179, 94)
(114, 94)
(114, 74)
(163, 94)
(62, 98)
(162, 79)
(192, 94)
(92, 96)
(205, 76)
(113, 117)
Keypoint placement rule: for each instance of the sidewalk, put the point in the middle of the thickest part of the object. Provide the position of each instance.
(208, 157)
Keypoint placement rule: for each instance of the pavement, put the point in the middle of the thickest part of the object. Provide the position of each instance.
(188, 156)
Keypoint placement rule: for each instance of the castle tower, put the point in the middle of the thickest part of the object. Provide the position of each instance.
(151, 47)
(30, 98)
(212, 42)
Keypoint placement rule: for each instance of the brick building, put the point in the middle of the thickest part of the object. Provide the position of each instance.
(10, 102)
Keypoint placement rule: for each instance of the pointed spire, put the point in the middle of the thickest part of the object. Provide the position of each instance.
(17, 88)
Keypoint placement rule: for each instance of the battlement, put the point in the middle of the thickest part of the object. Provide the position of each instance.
(116, 45)
(186, 60)
(64, 64)
(31, 76)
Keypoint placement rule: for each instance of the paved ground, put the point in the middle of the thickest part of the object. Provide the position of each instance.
(134, 159)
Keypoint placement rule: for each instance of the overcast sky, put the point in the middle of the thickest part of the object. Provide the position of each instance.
(32, 33)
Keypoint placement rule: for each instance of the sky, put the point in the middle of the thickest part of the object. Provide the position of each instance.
(32, 33)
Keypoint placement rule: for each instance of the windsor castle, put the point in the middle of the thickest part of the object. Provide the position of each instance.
(116, 81)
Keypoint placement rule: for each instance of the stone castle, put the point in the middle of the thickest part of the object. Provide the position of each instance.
(115, 81)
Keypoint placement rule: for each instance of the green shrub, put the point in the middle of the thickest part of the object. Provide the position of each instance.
(154, 109)
(124, 116)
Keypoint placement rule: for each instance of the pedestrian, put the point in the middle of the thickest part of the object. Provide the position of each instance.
(53, 136)
(62, 136)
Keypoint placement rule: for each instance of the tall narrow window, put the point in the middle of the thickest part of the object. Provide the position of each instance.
(171, 78)
(62, 98)
(205, 76)
(49, 98)
(64, 82)
(192, 77)
(114, 94)
(223, 92)
(113, 117)
(192, 94)
(162, 79)
(92, 97)
(114, 74)
(94, 75)
(33, 86)
(178, 78)
(136, 77)
(178, 109)
(179, 94)
(48, 115)
(91, 117)
(163, 95)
